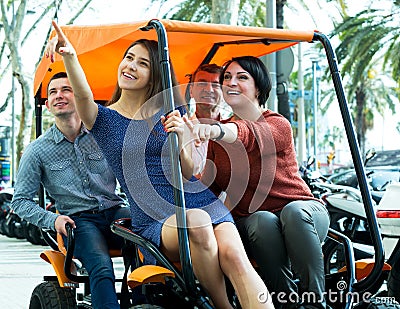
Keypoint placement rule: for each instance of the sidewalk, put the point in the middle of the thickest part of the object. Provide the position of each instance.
(21, 269)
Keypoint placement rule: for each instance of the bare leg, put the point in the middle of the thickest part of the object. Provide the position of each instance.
(204, 253)
(234, 262)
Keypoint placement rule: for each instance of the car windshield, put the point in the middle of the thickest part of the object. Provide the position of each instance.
(385, 158)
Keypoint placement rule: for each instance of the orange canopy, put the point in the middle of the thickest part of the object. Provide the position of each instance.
(100, 48)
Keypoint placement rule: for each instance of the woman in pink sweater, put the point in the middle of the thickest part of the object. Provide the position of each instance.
(254, 161)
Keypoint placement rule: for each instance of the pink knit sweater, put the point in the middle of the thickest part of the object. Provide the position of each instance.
(259, 171)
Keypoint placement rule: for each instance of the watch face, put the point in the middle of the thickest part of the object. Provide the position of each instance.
(221, 135)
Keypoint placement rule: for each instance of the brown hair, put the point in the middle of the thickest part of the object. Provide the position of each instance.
(56, 76)
(206, 67)
(155, 82)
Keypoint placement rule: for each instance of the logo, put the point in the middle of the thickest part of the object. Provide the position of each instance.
(341, 285)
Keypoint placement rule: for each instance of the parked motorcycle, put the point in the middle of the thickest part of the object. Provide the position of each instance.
(348, 217)
(12, 225)
(5, 201)
(311, 177)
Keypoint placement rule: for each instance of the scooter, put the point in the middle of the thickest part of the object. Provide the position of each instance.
(311, 177)
(348, 217)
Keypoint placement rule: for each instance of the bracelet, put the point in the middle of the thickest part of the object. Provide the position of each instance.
(221, 135)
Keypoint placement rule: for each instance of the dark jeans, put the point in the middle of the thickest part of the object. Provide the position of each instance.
(289, 241)
(93, 239)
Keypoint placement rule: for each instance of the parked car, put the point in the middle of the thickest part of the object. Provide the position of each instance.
(382, 168)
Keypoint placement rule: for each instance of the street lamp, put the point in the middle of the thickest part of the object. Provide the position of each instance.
(316, 77)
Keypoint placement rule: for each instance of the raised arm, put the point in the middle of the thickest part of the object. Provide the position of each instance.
(86, 107)
(227, 132)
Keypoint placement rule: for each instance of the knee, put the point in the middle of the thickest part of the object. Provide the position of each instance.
(261, 224)
(200, 228)
(233, 257)
(294, 212)
(305, 217)
(197, 218)
(100, 267)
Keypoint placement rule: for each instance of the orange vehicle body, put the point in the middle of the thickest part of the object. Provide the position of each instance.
(100, 48)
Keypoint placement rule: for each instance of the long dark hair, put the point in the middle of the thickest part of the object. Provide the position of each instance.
(155, 84)
(257, 69)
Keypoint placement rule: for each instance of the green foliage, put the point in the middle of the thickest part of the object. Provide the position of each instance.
(365, 39)
(369, 46)
(251, 12)
(331, 138)
(191, 10)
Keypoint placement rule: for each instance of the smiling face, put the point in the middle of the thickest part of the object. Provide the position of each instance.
(134, 69)
(206, 91)
(61, 100)
(238, 86)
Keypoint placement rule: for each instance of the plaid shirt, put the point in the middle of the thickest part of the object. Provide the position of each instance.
(76, 175)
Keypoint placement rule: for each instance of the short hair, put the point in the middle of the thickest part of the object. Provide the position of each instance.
(257, 69)
(206, 67)
(56, 76)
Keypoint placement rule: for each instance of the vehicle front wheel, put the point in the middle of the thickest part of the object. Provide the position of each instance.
(49, 295)
(393, 283)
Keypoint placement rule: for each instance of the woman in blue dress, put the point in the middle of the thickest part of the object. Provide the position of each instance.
(132, 133)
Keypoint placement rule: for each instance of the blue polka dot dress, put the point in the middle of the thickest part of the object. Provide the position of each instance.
(138, 153)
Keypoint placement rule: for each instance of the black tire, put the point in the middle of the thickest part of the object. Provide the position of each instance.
(33, 234)
(3, 226)
(19, 228)
(5, 202)
(9, 226)
(49, 295)
(334, 260)
(333, 256)
(393, 282)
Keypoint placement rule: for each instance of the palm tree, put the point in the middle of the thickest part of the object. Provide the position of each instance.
(240, 12)
(369, 43)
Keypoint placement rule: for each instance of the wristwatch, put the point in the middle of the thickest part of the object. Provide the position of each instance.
(221, 135)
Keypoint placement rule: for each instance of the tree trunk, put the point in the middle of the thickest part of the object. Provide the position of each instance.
(281, 87)
(225, 12)
(13, 40)
(24, 133)
(359, 119)
(12, 25)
